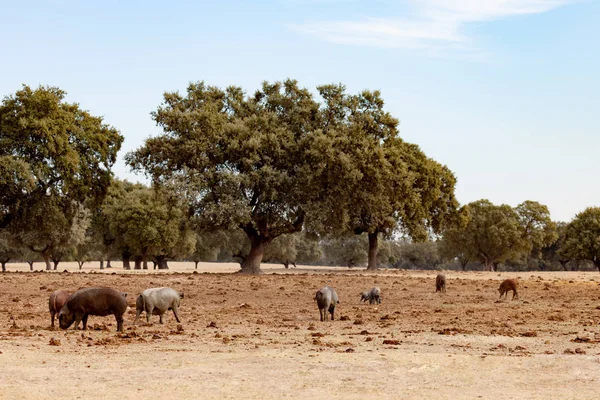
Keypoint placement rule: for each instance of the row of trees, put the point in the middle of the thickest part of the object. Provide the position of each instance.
(276, 176)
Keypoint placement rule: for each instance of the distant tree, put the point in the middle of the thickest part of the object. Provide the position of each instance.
(150, 223)
(582, 237)
(551, 253)
(423, 255)
(454, 243)
(53, 227)
(293, 248)
(7, 248)
(385, 183)
(349, 250)
(54, 158)
(495, 234)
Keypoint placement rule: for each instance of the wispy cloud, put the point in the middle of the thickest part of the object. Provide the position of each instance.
(430, 24)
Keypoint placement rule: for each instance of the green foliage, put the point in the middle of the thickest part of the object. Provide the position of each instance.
(293, 248)
(149, 223)
(422, 255)
(582, 237)
(382, 183)
(494, 234)
(242, 160)
(348, 250)
(54, 158)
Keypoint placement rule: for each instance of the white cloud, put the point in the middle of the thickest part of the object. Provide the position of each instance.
(431, 24)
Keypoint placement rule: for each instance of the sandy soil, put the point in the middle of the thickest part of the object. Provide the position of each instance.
(260, 337)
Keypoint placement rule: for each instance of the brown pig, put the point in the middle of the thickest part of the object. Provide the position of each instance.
(57, 299)
(506, 286)
(100, 301)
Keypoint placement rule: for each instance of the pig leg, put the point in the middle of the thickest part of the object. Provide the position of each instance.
(78, 318)
(84, 319)
(52, 314)
(119, 319)
(161, 318)
(148, 314)
(176, 314)
(332, 310)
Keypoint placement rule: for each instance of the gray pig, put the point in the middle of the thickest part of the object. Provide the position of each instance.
(373, 296)
(156, 301)
(92, 301)
(326, 299)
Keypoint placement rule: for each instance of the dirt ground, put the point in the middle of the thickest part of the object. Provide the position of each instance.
(259, 337)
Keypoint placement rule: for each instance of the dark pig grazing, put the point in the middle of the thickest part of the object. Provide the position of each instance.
(440, 283)
(157, 301)
(326, 299)
(100, 301)
(506, 286)
(57, 299)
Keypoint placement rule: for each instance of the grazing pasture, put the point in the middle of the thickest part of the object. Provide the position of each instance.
(260, 336)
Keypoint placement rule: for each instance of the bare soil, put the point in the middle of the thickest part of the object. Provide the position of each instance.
(259, 337)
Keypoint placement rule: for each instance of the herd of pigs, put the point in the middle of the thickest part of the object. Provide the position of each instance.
(103, 301)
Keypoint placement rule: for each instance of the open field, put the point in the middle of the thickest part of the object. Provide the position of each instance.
(260, 337)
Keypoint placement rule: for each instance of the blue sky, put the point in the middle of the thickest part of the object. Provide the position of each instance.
(504, 92)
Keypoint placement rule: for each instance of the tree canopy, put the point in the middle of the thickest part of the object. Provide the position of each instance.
(582, 237)
(497, 233)
(54, 157)
(270, 162)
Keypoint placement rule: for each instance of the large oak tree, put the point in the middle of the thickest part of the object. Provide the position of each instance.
(54, 158)
(240, 159)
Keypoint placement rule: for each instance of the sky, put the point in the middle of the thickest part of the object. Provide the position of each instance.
(505, 93)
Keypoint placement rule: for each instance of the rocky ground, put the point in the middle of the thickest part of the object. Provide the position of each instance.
(260, 336)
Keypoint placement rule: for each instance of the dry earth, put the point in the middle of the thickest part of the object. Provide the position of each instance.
(260, 337)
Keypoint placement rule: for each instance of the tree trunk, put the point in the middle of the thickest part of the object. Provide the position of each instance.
(126, 258)
(145, 259)
(101, 264)
(495, 266)
(3, 262)
(372, 251)
(30, 265)
(597, 264)
(488, 266)
(196, 264)
(286, 265)
(80, 264)
(564, 264)
(46, 258)
(138, 262)
(251, 263)
(463, 264)
(162, 262)
(108, 264)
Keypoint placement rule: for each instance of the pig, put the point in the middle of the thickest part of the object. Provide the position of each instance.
(57, 299)
(364, 296)
(100, 301)
(440, 283)
(373, 295)
(506, 286)
(157, 301)
(326, 299)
